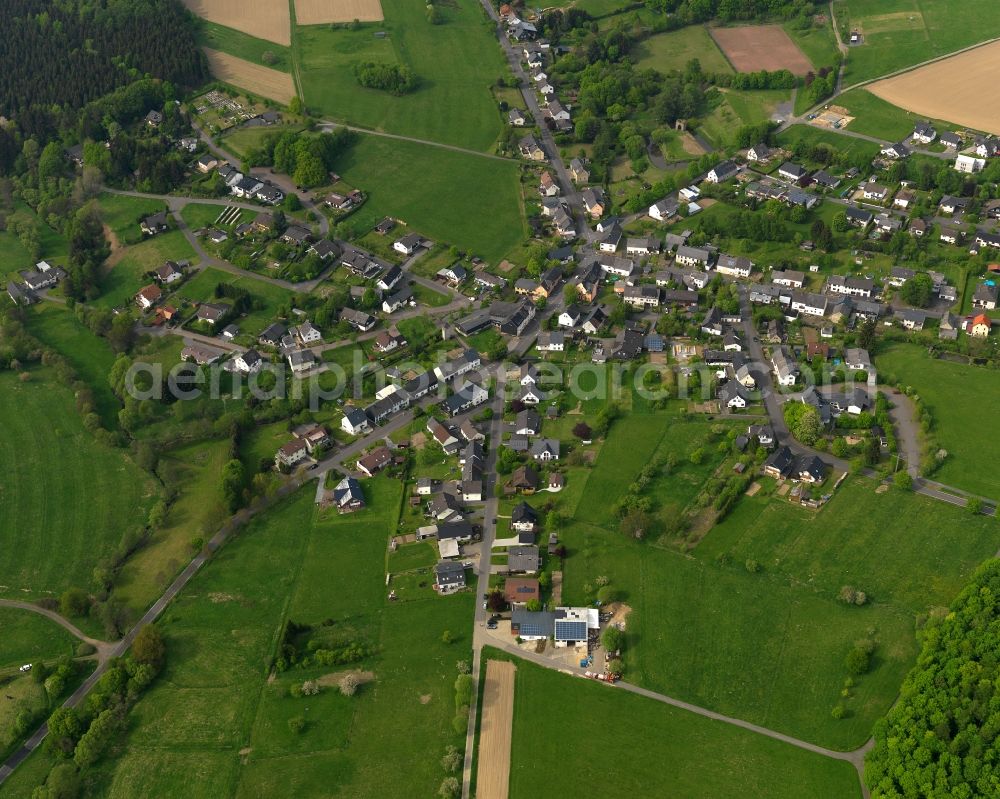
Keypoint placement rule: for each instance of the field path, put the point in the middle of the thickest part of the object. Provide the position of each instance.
(103, 647)
(496, 730)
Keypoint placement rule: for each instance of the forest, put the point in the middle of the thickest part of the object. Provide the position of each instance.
(940, 739)
(101, 45)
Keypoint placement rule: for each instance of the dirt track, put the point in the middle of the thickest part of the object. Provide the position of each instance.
(321, 12)
(964, 89)
(495, 728)
(250, 76)
(751, 48)
(264, 19)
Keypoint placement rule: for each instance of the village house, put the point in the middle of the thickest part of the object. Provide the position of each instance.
(148, 297)
(722, 172)
(449, 577)
(348, 496)
(157, 223)
(578, 171)
(375, 461)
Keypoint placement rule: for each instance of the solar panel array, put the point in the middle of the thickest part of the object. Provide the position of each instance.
(571, 630)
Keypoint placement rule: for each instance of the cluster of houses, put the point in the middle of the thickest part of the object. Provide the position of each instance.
(245, 187)
(43, 276)
(464, 396)
(308, 441)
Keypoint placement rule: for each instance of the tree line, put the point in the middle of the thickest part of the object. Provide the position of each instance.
(940, 738)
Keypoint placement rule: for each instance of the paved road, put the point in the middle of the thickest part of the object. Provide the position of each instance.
(483, 581)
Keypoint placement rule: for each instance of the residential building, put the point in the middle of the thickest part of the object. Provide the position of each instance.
(722, 172)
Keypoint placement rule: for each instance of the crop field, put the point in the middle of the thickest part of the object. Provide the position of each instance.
(416, 183)
(957, 415)
(495, 727)
(673, 49)
(255, 78)
(900, 33)
(320, 12)
(294, 563)
(455, 64)
(682, 754)
(779, 624)
(260, 18)
(66, 499)
(88, 354)
(751, 48)
(964, 89)
(242, 45)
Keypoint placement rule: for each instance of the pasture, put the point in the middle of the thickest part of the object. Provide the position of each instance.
(122, 215)
(416, 183)
(964, 89)
(255, 78)
(710, 631)
(321, 12)
(88, 354)
(817, 42)
(294, 563)
(242, 45)
(901, 33)
(66, 499)
(241, 140)
(732, 109)
(455, 63)
(29, 638)
(682, 754)
(751, 48)
(674, 49)
(958, 415)
(873, 116)
(259, 18)
(859, 149)
(197, 512)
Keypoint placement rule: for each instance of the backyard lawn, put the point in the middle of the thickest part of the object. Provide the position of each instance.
(201, 288)
(123, 279)
(958, 415)
(67, 499)
(429, 188)
(455, 64)
(682, 754)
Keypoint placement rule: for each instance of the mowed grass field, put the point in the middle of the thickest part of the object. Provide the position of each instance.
(901, 33)
(243, 45)
(769, 646)
(591, 731)
(30, 637)
(859, 148)
(465, 200)
(215, 725)
(674, 49)
(122, 214)
(874, 116)
(65, 499)
(456, 62)
(961, 400)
